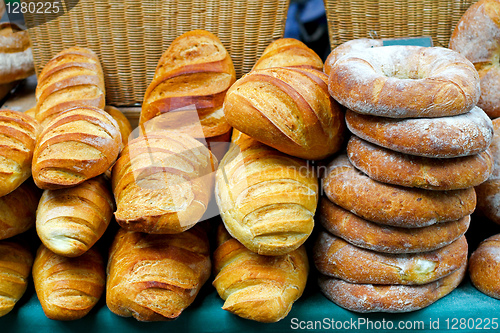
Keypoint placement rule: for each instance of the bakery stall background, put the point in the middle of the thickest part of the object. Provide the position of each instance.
(306, 21)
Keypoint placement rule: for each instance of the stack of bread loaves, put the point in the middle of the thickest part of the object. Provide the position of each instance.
(266, 193)
(397, 205)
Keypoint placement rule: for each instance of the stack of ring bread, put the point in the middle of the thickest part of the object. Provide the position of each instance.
(398, 202)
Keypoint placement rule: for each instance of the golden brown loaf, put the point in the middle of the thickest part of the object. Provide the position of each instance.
(288, 52)
(336, 258)
(18, 209)
(354, 45)
(383, 81)
(384, 238)
(68, 288)
(443, 137)
(79, 144)
(73, 78)
(156, 277)
(391, 167)
(194, 73)
(17, 142)
(31, 112)
(477, 37)
(390, 204)
(266, 199)
(388, 298)
(288, 109)
(15, 267)
(16, 59)
(256, 287)
(70, 221)
(484, 266)
(162, 183)
(122, 121)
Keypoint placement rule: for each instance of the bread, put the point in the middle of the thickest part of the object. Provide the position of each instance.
(218, 145)
(31, 112)
(387, 239)
(16, 59)
(388, 298)
(68, 288)
(162, 183)
(383, 81)
(288, 52)
(484, 267)
(122, 121)
(390, 204)
(156, 277)
(72, 78)
(18, 210)
(15, 267)
(355, 45)
(336, 258)
(488, 192)
(17, 142)
(257, 287)
(194, 73)
(442, 137)
(391, 167)
(78, 144)
(477, 37)
(70, 221)
(266, 199)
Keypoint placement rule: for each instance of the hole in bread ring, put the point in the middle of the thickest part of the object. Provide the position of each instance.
(405, 82)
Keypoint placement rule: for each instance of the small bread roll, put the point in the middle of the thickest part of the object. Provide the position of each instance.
(257, 287)
(68, 288)
(484, 266)
(122, 121)
(15, 267)
(16, 58)
(156, 277)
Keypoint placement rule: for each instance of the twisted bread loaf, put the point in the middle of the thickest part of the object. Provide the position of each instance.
(194, 73)
(156, 277)
(15, 267)
(288, 109)
(256, 287)
(266, 199)
(16, 59)
(68, 288)
(70, 221)
(72, 78)
(17, 142)
(162, 183)
(78, 144)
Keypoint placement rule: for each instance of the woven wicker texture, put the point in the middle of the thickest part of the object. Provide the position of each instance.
(351, 19)
(130, 35)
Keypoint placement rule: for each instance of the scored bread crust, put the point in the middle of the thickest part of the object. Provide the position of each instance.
(484, 267)
(384, 238)
(391, 204)
(391, 167)
(350, 46)
(365, 298)
(336, 258)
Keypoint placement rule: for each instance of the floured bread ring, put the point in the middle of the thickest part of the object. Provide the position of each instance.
(484, 267)
(388, 298)
(390, 204)
(477, 37)
(443, 137)
(336, 258)
(348, 47)
(405, 82)
(391, 167)
(387, 239)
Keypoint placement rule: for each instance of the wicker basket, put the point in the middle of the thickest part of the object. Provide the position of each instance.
(130, 35)
(351, 19)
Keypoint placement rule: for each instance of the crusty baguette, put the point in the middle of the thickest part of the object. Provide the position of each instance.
(72, 78)
(162, 183)
(18, 209)
(78, 144)
(156, 277)
(194, 73)
(267, 199)
(256, 287)
(16, 59)
(70, 221)
(68, 288)
(17, 142)
(15, 267)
